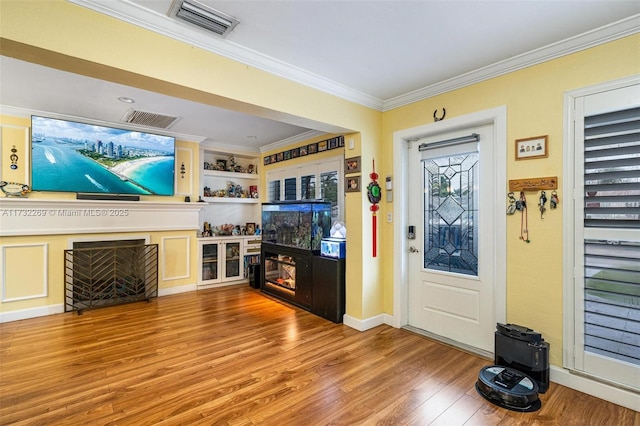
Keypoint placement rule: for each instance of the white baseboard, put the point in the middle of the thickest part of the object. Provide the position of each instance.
(365, 324)
(40, 311)
(592, 387)
(177, 290)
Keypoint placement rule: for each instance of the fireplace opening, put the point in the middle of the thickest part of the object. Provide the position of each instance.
(105, 273)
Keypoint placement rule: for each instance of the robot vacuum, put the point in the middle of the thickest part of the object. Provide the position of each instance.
(508, 388)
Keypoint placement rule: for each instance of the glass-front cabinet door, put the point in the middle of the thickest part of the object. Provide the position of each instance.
(232, 261)
(210, 266)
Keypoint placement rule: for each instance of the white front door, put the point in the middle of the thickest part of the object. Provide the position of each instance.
(452, 205)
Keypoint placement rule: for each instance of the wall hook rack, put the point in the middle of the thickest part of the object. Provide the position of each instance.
(533, 184)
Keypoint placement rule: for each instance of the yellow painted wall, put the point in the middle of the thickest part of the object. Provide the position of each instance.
(534, 100)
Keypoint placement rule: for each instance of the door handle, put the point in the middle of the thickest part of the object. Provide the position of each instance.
(412, 249)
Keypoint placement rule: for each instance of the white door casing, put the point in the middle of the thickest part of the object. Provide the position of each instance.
(496, 177)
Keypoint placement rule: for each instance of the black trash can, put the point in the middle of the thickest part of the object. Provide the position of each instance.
(254, 276)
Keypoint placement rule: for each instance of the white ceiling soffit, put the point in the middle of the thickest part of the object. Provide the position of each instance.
(157, 22)
(204, 17)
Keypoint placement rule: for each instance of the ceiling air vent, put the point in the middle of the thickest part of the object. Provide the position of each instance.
(149, 119)
(203, 16)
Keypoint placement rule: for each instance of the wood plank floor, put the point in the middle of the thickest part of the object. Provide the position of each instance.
(233, 356)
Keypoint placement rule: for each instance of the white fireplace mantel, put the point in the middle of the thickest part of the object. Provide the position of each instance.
(33, 216)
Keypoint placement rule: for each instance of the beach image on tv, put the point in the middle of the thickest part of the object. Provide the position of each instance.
(77, 157)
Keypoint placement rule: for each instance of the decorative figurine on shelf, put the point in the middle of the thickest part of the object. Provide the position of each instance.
(252, 169)
(231, 189)
(206, 230)
(206, 191)
(232, 164)
(257, 229)
(236, 230)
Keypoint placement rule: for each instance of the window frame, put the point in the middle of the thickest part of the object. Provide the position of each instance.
(317, 168)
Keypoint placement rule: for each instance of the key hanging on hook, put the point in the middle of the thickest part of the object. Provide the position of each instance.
(543, 201)
(524, 218)
(511, 208)
(553, 203)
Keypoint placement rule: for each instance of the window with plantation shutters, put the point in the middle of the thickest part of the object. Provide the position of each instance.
(612, 169)
(603, 171)
(612, 266)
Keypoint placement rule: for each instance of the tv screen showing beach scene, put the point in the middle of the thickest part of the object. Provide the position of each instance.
(68, 156)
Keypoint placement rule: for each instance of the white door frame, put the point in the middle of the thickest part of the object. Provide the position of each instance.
(496, 116)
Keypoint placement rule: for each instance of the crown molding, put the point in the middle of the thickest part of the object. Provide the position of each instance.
(292, 140)
(162, 24)
(233, 148)
(27, 113)
(611, 32)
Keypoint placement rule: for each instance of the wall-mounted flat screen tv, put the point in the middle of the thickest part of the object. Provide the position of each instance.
(68, 156)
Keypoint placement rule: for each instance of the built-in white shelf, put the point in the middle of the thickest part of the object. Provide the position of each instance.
(231, 200)
(230, 175)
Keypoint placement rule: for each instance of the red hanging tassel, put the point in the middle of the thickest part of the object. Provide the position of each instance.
(374, 193)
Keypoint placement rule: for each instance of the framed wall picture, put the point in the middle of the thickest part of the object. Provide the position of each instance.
(529, 148)
(352, 184)
(352, 165)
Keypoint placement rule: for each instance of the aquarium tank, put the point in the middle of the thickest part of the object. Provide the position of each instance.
(299, 224)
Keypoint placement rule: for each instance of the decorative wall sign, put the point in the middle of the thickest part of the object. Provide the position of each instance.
(529, 148)
(312, 148)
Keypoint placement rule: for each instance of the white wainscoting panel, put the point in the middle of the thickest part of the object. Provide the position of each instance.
(20, 282)
(169, 245)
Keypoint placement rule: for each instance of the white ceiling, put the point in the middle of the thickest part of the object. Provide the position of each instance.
(379, 53)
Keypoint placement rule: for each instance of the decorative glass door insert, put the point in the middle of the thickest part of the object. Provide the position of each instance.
(451, 209)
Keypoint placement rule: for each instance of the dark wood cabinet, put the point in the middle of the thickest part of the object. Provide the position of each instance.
(328, 292)
(309, 281)
(286, 273)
